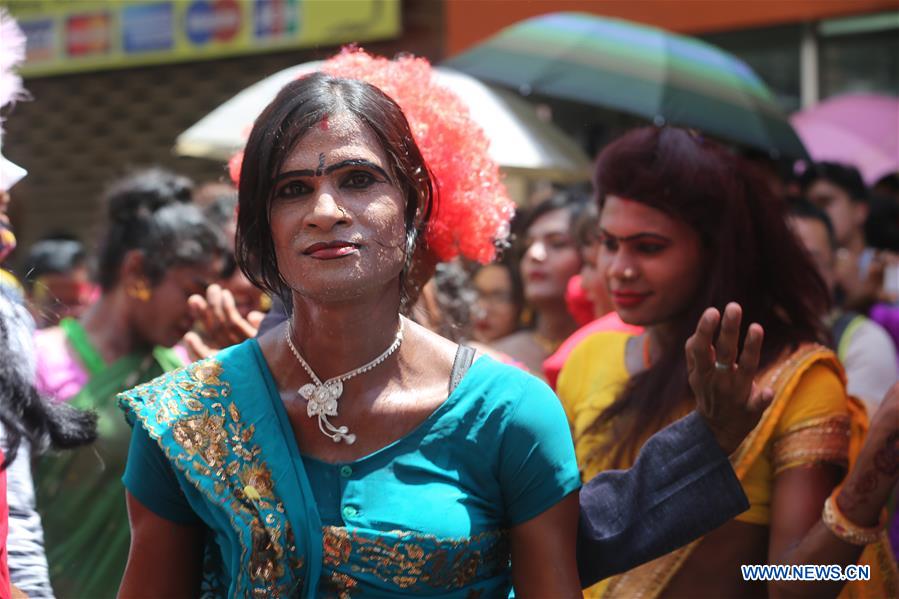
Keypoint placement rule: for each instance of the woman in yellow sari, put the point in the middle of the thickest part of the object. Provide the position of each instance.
(684, 225)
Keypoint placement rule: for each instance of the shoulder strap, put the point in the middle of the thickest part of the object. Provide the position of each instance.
(461, 364)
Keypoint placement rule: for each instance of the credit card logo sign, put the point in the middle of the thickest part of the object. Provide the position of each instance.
(147, 28)
(40, 39)
(275, 19)
(88, 34)
(207, 21)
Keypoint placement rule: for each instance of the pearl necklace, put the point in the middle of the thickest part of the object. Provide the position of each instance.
(321, 397)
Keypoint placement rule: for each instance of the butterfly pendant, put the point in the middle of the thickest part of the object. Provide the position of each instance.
(321, 400)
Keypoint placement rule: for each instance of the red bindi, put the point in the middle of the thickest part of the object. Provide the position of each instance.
(324, 123)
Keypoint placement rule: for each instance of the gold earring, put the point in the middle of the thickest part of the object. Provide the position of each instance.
(526, 318)
(140, 291)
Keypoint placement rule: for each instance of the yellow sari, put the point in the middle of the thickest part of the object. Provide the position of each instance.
(811, 420)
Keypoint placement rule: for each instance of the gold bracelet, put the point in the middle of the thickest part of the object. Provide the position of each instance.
(844, 529)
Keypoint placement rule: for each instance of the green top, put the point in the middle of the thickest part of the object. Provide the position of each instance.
(79, 492)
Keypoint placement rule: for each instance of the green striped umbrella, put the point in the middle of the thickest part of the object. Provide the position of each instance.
(662, 76)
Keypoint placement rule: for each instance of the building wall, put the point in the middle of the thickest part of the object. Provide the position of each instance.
(469, 22)
(81, 131)
(863, 61)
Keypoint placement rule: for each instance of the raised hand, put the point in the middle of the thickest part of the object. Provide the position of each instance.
(219, 323)
(722, 380)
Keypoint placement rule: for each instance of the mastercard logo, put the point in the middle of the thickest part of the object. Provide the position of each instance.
(88, 34)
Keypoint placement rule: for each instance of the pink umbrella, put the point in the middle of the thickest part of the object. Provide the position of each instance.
(857, 129)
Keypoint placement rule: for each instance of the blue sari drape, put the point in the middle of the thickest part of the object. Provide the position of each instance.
(256, 502)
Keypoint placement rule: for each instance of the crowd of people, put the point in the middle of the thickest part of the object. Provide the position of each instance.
(294, 386)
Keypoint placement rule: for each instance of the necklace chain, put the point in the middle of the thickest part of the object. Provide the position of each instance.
(322, 397)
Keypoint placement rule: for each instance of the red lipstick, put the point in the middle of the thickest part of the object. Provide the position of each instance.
(624, 299)
(331, 250)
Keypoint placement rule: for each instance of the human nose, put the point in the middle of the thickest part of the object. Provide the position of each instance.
(536, 251)
(620, 266)
(327, 212)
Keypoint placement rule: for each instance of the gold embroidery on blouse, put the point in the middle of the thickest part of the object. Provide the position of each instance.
(337, 585)
(217, 446)
(203, 435)
(816, 441)
(410, 559)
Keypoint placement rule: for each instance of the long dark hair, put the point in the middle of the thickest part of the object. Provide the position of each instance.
(298, 107)
(25, 415)
(751, 257)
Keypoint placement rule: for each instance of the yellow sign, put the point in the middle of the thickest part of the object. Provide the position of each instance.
(85, 35)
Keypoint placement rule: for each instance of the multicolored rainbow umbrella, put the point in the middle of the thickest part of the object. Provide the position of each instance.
(656, 74)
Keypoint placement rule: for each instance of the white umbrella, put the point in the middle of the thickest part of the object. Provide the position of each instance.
(520, 142)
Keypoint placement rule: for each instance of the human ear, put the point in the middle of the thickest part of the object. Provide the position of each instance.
(133, 278)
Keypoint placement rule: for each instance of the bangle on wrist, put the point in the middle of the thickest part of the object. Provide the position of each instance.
(846, 530)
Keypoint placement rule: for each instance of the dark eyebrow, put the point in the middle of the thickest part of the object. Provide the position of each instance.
(357, 162)
(635, 236)
(308, 172)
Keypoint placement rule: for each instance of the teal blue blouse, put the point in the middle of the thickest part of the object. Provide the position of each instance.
(426, 515)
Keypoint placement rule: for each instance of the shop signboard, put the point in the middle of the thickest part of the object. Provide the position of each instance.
(68, 36)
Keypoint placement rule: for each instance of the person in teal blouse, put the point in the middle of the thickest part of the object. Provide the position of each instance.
(428, 514)
(336, 455)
